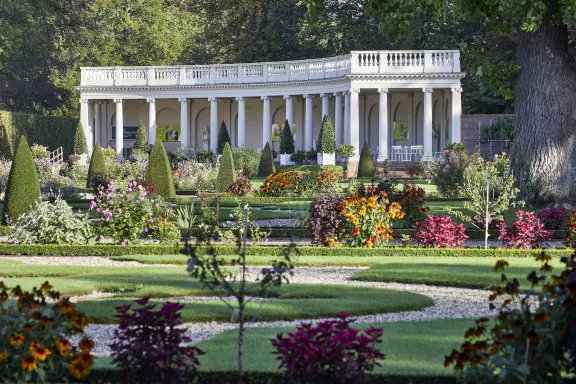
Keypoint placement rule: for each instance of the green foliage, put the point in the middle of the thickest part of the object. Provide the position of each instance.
(346, 150)
(366, 165)
(328, 140)
(448, 172)
(159, 172)
(287, 140)
(50, 131)
(141, 139)
(23, 188)
(53, 223)
(246, 157)
(226, 173)
(80, 146)
(266, 166)
(223, 138)
(97, 168)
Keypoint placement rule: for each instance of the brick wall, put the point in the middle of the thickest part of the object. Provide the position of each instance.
(470, 133)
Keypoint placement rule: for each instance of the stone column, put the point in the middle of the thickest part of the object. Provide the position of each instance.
(347, 117)
(309, 137)
(338, 118)
(241, 121)
(90, 130)
(184, 127)
(266, 122)
(213, 123)
(355, 123)
(151, 120)
(85, 107)
(97, 123)
(455, 127)
(383, 125)
(325, 105)
(427, 150)
(119, 129)
(289, 109)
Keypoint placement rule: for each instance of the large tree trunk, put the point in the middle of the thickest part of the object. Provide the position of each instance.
(545, 95)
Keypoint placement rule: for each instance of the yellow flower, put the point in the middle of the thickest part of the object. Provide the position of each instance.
(354, 220)
(28, 363)
(17, 339)
(331, 242)
(3, 355)
(63, 346)
(369, 243)
(362, 211)
(79, 370)
(65, 305)
(363, 200)
(86, 344)
(39, 352)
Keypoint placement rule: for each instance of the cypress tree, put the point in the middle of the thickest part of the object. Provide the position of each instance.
(80, 146)
(23, 187)
(319, 142)
(223, 138)
(141, 139)
(287, 140)
(266, 166)
(97, 168)
(366, 165)
(159, 172)
(328, 143)
(226, 173)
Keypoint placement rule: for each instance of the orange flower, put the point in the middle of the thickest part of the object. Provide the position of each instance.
(39, 352)
(63, 346)
(79, 321)
(47, 321)
(17, 339)
(369, 244)
(28, 363)
(3, 355)
(355, 230)
(65, 305)
(86, 344)
(362, 211)
(27, 327)
(541, 317)
(79, 370)
(86, 358)
(331, 242)
(354, 220)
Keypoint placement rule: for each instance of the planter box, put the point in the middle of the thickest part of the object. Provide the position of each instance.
(326, 159)
(285, 159)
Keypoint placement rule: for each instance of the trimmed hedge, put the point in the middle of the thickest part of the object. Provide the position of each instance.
(287, 140)
(141, 139)
(159, 171)
(266, 250)
(328, 144)
(223, 138)
(51, 131)
(266, 166)
(97, 168)
(231, 201)
(80, 145)
(366, 165)
(5, 230)
(226, 172)
(23, 187)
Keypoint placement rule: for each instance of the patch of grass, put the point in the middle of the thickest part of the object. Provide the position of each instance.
(446, 271)
(294, 302)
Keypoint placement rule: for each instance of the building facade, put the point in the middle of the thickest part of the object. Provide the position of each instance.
(388, 99)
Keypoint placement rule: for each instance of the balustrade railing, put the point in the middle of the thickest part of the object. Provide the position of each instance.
(355, 63)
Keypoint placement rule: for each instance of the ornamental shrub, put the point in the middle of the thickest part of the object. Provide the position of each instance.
(151, 345)
(368, 219)
(328, 141)
(287, 140)
(440, 231)
(127, 213)
(141, 139)
(281, 183)
(412, 199)
(226, 173)
(527, 232)
(299, 156)
(40, 151)
(327, 181)
(97, 168)
(192, 175)
(242, 185)
(53, 223)
(246, 157)
(35, 344)
(325, 222)
(366, 165)
(553, 218)
(266, 167)
(447, 171)
(80, 145)
(329, 352)
(223, 138)
(159, 171)
(23, 187)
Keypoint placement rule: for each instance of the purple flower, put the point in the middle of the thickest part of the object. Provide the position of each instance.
(151, 220)
(92, 205)
(145, 230)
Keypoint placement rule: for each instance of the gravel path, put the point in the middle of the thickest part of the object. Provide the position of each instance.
(85, 261)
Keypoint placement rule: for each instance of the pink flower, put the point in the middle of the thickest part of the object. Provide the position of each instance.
(145, 230)
(151, 220)
(157, 206)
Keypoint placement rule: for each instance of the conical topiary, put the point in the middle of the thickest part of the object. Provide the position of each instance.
(97, 168)
(319, 142)
(223, 138)
(328, 143)
(366, 165)
(23, 187)
(80, 146)
(159, 172)
(287, 140)
(141, 139)
(266, 166)
(226, 173)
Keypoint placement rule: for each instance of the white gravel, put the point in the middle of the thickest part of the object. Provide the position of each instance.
(87, 261)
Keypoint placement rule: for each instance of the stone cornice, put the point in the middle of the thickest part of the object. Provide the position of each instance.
(412, 76)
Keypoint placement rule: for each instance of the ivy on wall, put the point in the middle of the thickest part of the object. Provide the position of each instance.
(51, 131)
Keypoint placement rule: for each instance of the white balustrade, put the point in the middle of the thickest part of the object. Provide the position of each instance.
(357, 62)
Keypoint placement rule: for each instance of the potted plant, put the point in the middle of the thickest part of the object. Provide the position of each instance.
(327, 141)
(286, 145)
(298, 157)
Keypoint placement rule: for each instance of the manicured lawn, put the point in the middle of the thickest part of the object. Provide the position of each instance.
(457, 272)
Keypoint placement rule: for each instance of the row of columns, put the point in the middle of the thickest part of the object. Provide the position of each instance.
(346, 121)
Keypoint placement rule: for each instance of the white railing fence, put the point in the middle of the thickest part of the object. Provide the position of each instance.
(57, 156)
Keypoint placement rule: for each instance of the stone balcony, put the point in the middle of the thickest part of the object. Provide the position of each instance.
(355, 63)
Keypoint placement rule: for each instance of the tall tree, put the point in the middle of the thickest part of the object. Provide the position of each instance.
(543, 86)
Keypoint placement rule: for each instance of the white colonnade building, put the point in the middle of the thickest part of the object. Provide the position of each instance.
(384, 98)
